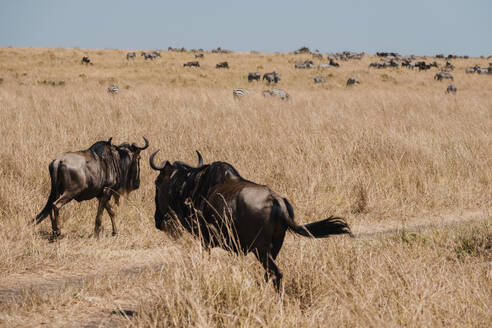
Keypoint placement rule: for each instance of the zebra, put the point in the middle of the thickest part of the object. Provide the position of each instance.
(271, 77)
(352, 81)
(239, 92)
(323, 65)
(86, 60)
(254, 76)
(306, 64)
(147, 56)
(470, 70)
(276, 93)
(443, 75)
(113, 89)
(156, 54)
(199, 55)
(480, 70)
(451, 89)
(131, 55)
(319, 79)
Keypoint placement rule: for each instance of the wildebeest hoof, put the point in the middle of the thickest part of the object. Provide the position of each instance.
(55, 236)
(114, 234)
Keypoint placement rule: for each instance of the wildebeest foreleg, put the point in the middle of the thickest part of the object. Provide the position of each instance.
(112, 216)
(103, 200)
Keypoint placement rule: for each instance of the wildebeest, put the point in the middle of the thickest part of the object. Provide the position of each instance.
(131, 55)
(102, 171)
(191, 64)
(318, 79)
(239, 92)
(271, 77)
(113, 89)
(451, 89)
(352, 81)
(443, 75)
(254, 76)
(276, 93)
(86, 60)
(199, 56)
(225, 210)
(222, 65)
(334, 63)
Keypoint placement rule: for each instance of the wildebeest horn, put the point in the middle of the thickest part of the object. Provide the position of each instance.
(142, 148)
(109, 140)
(152, 164)
(200, 158)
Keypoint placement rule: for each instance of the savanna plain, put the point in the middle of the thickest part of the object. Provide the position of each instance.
(408, 166)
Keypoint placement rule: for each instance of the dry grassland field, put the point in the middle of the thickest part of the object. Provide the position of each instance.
(408, 166)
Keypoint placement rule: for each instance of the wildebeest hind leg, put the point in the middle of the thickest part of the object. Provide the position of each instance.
(57, 204)
(272, 271)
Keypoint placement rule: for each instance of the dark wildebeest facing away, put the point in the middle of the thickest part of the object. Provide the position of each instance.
(86, 60)
(222, 65)
(214, 202)
(102, 171)
(254, 76)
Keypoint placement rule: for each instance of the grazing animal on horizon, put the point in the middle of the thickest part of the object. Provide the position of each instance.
(215, 203)
(271, 77)
(239, 92)
(306, 64)
(102, 171)
(86, 60)
(131, 55)
(451, 89)
(199, 56)
(352, 81)
(222, 65)
(254, 76)
(443, 75)
(147, 56)
(192, 64)
(276, 93)
(318, 79)
(113, 89)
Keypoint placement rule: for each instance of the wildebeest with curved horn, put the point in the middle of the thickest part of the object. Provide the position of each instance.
(102, 171)
(214, 202)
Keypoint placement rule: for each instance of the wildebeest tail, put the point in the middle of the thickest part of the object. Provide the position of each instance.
(52, 197)
(319, 229)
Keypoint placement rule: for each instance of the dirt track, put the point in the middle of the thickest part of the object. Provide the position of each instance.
(16, 286)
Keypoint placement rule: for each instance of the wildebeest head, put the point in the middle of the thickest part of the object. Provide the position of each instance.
(171, 185)
(130, 163)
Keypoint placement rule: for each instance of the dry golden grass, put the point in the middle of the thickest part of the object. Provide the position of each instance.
(394, 150)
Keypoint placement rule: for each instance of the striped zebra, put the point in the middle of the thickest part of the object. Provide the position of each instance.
(239, 93)
(113, 89)
(131, 55)
(148, 56)
(451, 89)
(276, 93)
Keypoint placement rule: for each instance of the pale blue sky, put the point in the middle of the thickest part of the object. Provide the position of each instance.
(410, 27)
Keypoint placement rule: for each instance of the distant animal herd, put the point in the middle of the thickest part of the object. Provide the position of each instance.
(387, 60)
